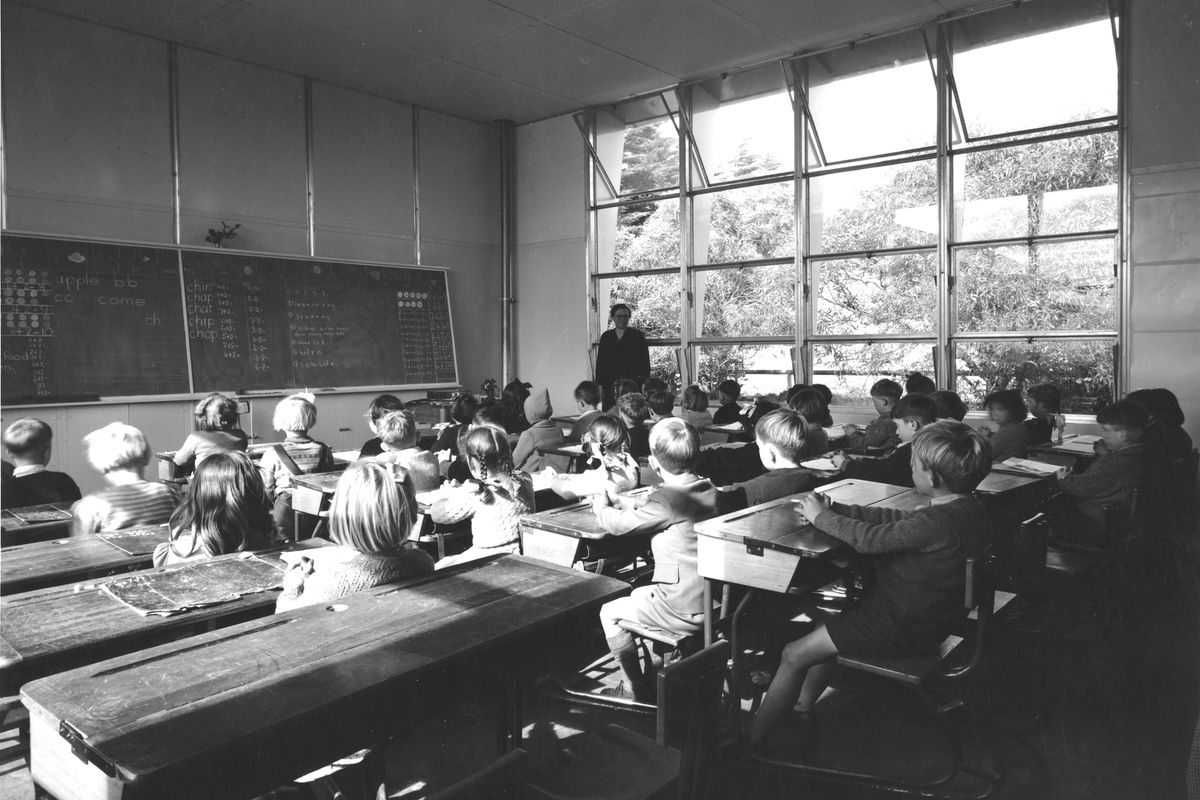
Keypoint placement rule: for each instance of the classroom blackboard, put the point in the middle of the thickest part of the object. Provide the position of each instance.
(89, 320)
(263, 323)
(84, 318)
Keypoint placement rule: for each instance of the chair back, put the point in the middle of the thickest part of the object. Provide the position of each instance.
(980, 597)
(689, 706)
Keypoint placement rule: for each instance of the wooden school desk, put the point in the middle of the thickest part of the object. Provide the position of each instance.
(236, 712)
(571, 533)
(58, 561)
(49, 630)
(767, 545)
(14, 530)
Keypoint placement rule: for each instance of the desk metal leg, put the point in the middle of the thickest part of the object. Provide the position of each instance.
(708, 612)
(509, 717)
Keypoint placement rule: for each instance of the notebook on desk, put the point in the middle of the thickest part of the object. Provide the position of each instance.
(193, 585)
(44, 513)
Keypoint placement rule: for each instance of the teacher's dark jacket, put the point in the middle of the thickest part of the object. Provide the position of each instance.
(627, 357)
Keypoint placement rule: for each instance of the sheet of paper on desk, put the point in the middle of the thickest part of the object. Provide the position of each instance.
(1084, 438)
(348, 456)
(1034, 467)
(820, 464)
(137, 541)
(41, 514)
(835, 431)
(1076, 446)
(732, 427)
(200, 583)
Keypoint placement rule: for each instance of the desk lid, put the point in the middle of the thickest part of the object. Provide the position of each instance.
(776, 525)
(856, 492)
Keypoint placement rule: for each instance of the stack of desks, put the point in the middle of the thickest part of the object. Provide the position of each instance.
(239, 711)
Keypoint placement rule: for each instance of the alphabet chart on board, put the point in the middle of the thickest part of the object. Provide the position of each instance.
(83, 318)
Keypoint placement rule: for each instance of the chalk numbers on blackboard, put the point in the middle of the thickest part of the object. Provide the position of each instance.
(27, 311)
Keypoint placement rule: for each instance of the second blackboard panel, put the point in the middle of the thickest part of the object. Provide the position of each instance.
(264, 323)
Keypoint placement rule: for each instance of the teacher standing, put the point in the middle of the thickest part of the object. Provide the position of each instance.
(622, 353)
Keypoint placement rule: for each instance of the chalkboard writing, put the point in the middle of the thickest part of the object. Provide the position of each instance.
(259, 323)
(83, 318)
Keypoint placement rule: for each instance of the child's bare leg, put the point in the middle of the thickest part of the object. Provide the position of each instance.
(815, 683)
(789, 681)
(621, 643)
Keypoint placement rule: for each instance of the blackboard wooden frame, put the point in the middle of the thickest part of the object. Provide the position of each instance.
(179, 252)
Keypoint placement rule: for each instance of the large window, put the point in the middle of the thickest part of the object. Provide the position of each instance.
(943, 200)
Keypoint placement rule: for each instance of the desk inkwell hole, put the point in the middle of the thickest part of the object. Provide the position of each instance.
(337, 607)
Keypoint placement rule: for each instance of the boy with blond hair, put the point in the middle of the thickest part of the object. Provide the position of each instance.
(120, 453)
(675, 599)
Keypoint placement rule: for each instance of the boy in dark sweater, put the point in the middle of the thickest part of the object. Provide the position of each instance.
(28, 443)
(920, 571)
(674, 601)
(912, 413)
(1046, 421)
(881, 432)
(781, 436)
(1123, 466)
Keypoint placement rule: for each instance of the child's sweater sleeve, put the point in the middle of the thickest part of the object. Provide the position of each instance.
(266, 466)
(457, 505)
(526, 447)
(872, 530)
(652, 517)
(185, 454)
(86, 516)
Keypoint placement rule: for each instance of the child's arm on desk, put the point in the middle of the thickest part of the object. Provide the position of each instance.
(632, 516)
(870, 530)
(457, 504)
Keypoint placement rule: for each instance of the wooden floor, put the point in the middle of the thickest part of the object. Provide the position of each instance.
(1077, 708)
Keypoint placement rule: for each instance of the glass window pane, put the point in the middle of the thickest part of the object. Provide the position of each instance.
(885, 294)
(850, 369)
(755, 301)
(1082, 370)
(638, 145)
(1046, 286)
(1024, 68)
(638, 236)
(879, 97)
(873, 209)
(742, 124)
(653, 298)
(763, 370)
(757, 222)
(665, 365)
(1060, 186)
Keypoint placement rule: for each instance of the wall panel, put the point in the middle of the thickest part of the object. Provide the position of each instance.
(362, 176)
(86, 129)
(242, 153)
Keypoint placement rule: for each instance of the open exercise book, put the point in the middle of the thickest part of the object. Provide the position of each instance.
(196, 584)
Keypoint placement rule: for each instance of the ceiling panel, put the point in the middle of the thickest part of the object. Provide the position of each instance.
(301, 45)
(545, 9)
(817, 23)
(556, 62)
(440, 28)
(466, 92)
(520, 59)
(688, 40)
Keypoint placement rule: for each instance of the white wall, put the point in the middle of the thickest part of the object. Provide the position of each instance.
(550, 276)
(88, 154)
(1164, 159)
